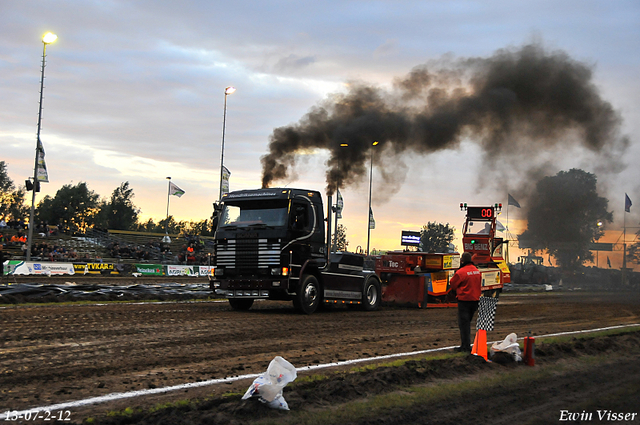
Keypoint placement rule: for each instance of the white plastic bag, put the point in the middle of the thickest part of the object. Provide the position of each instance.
(509, 345)
(268, 386)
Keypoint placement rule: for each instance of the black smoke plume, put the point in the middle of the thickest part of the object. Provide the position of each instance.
(518, 99)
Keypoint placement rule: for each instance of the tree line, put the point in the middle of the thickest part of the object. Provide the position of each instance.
(564, 216)
(75, 209)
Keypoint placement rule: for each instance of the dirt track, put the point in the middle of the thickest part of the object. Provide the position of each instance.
(56, 353)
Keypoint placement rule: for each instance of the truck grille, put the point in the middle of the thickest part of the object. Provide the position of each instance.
(248, 254)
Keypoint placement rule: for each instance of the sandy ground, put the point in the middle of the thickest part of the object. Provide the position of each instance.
(57, 353)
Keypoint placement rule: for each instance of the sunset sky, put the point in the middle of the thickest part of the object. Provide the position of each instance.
(134, 91)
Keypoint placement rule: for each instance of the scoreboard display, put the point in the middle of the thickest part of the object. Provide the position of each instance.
(410, 238)
(480, 213)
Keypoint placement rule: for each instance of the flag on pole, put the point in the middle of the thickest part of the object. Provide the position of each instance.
(175, 190)
(225, 179)
(42, 167)
(372, 222)
(339, 205)
(499, 226)
(627, 203)
(512, 201)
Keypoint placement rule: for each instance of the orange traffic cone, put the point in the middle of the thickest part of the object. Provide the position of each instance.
(480, 344)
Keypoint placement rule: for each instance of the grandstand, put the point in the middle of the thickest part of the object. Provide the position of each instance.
(132, 247)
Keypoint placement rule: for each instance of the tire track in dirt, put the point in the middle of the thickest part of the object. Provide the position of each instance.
(52, 354)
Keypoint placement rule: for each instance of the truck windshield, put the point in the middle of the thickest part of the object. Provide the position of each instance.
(246, 214)
(478, 227)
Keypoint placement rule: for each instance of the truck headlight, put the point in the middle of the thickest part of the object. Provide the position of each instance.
(278, 271)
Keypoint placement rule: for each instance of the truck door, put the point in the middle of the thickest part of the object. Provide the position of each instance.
(300, 226)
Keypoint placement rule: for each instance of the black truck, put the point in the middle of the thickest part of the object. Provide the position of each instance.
(272, 244)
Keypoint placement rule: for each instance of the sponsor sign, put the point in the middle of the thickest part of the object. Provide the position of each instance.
(490, 278)
(442, 261)
(42, 268)
(10, 266)
(205, 270)
(182, 270)
(95, 268)
(149, 269)
(349, 295)
(599, 246)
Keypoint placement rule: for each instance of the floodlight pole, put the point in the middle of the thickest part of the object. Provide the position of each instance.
(370, 184)
(36, 183)
(227, 92)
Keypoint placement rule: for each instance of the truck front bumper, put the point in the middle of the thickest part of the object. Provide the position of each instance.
(241, 288)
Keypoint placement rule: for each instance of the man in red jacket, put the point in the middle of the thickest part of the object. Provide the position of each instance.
(466, 283)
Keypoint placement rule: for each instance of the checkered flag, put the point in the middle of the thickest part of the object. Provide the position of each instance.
(486, 313)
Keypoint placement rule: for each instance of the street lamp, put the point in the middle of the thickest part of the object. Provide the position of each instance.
(229, 90)
(48, 38)
(375, 143)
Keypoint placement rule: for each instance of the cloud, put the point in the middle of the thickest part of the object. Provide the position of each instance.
(142, 83)
(293, 62)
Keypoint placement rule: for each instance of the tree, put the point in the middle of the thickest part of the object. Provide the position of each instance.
(633, 252)
(74, 208)
(149, 226)
(12, 205)
(436, 237)
(200, 228)
(341, 238)
(564, 215)
(119, 213)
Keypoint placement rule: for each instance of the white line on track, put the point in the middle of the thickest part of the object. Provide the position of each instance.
(131, 394)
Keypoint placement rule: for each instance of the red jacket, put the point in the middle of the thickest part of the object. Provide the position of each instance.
(467, 283)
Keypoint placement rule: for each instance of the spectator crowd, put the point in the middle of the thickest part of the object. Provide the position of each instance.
(13, 237)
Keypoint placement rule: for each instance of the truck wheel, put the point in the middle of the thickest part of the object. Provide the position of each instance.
(371, 295)
(308, 297)
(241, 304)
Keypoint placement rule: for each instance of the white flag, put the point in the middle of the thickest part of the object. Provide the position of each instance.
(175, 190)
(225, 179)
(339, 204)
(42, 167)
(372, 222)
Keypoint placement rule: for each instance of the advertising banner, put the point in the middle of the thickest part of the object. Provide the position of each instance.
(183, 271)
(149, 269)
(205, 270)
(95, 268)
(40, 268)
(10, 266)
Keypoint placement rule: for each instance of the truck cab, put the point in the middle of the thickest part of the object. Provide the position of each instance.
(479, 238)
(270, 244)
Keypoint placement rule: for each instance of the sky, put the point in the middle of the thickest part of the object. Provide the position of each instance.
(134, 91)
